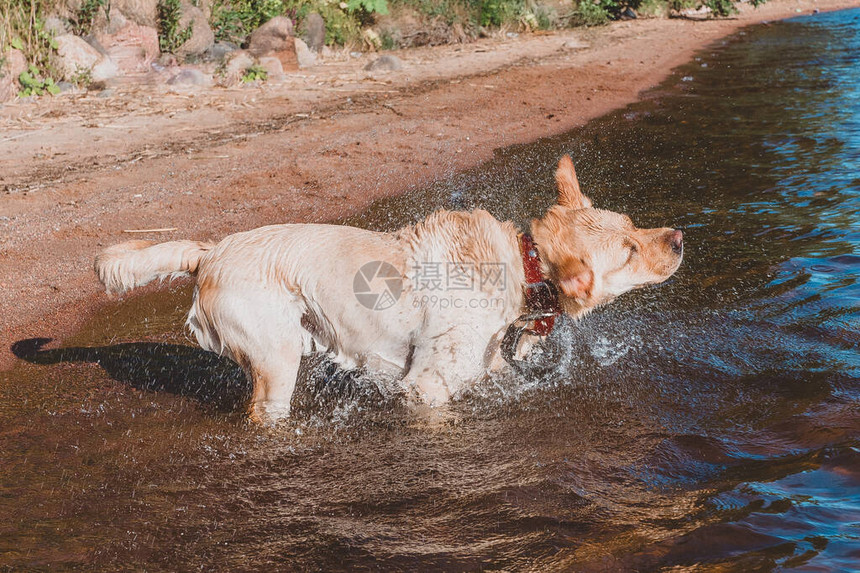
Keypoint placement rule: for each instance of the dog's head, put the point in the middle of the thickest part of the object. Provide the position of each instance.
(594, 255)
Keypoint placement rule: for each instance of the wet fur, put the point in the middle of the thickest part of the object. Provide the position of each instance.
(268, 296)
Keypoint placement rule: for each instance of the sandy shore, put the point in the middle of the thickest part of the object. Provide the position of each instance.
(77, 172)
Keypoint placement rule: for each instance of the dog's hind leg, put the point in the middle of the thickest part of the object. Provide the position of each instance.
(260, 330)
(274, 377)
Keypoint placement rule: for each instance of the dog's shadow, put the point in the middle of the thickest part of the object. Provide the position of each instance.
(204, 376)
(154, 366)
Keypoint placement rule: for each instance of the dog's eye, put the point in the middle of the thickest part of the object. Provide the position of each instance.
(633, 250)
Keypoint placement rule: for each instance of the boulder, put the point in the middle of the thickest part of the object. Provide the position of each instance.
(190, 77)
(275, 38)
(313, 34)
(75, 55)
(305, 56)
(219, 51)
(9, 72)
(132, 46)
(273, 67)
(142, 12)
(202, 37)
(386, 63)
(235, 65)
(56, 26)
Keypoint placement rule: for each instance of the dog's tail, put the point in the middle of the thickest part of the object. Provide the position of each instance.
(136, 263)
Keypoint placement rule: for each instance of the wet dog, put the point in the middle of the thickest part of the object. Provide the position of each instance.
(429, 302)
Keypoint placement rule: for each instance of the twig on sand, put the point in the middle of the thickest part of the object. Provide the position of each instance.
(162, 230)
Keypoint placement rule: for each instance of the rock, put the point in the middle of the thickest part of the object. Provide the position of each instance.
(56, 26)
(305, 56)
(219, 51)
(386, 63)
(629, 14)
(67, 87)
(92, 41)
(274, 68)
(142, 12)
(133, 47)
(8, 90)
(314, 32)
(190, 77)
(76, 56)
(575, 45)
(236, 64)
(166, 61)
(15, 64)
(202, 37)
(205, 7)
(275, 38)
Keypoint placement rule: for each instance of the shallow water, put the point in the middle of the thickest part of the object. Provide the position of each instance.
(710, 423)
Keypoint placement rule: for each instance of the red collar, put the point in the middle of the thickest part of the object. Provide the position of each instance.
(541, 295)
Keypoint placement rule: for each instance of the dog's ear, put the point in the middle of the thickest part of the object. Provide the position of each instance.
(569, 193)
(576, 280)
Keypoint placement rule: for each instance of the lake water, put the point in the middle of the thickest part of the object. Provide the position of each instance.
(711, 423)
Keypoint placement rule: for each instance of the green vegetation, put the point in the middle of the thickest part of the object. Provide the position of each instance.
(721, 7)
(589, 13)
(82, 78)
(170, 36)
(255, 73)
(22, 27)
(234, 20)
(35, 84)
(82, 24)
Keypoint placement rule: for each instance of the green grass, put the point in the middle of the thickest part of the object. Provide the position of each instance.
(23, 28)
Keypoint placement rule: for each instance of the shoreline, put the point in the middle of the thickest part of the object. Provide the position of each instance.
(318, 148)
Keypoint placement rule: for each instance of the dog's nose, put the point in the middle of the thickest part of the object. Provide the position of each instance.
(676, 239)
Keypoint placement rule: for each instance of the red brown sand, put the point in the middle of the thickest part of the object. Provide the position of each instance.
(79, 171)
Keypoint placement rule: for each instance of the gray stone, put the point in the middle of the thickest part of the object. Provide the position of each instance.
(236, 64)
(143, 12)
(76, 56)
(167, 61)
(304, 54)
(190, 77)
(313, 34)
(273, 67)
(14, 65)
(93, 41)
(56, 26)
(386, 63)
(219, 51)
(202, 38)
(275, 38)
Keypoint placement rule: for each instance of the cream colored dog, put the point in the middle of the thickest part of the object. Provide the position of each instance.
(429, 302)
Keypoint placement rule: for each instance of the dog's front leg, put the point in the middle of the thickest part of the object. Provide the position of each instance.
(442, 364)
